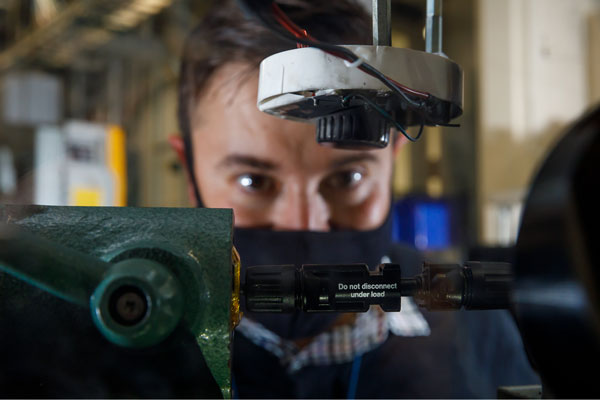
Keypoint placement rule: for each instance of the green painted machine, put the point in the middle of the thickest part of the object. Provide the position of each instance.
(148, 279)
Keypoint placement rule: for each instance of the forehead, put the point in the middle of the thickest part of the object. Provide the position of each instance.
(227, 121)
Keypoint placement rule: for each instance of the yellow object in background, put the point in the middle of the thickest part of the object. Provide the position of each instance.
(81, 163)
(87, 197)
(116, 161)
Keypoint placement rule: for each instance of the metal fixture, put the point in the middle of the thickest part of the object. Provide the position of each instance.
(147, 277)
(356, 93)
(382, 23)
(433, 27)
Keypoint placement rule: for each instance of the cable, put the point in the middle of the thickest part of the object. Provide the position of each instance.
(387, 116)
(289, 25)
(412, 91)
(347, 55)
(354, 374)
(300, 36)
(298, 32)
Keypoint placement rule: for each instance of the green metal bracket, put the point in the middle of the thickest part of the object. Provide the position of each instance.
(173, 263)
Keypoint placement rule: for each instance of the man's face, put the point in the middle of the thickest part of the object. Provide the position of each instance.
(273, 173)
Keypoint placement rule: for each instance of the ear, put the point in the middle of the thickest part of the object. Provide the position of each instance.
(177, 144)
(398, 143)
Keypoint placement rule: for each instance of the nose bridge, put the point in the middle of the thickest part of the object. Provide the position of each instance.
(301, 208)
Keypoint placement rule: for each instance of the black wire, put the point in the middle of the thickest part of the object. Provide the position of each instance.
(364, 66)
(386, 81)
(330, 48)
(450, 125)
(263, 6)
(387, 116)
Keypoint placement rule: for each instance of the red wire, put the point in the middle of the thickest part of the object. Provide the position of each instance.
(298, 32)
(289, 25)
(417, 93)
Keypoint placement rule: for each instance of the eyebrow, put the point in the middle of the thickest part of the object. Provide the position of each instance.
(247, 161)
(354, 158)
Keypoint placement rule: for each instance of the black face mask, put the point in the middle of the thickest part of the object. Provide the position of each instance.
(268, 247)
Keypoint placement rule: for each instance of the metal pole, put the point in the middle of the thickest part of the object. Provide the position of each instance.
(64, 272)
(433, 27)
(382, 23)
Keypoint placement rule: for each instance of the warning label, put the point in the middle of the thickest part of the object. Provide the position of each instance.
(367, 290)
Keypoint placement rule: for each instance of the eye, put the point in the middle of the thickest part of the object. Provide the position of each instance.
(256, 183)
(345, 179)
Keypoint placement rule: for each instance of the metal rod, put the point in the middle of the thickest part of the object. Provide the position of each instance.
(409, 286)
(433, 27)
(382, 23)
(64, 272)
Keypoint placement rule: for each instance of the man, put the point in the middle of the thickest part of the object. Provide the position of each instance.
(296, 202)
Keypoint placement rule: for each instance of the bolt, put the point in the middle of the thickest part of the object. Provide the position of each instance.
(128, 305)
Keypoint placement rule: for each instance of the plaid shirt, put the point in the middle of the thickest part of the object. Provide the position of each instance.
(341, 343)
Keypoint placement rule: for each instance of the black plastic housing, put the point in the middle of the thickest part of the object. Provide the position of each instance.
(272, 288)
(322, 288)
(354, 127)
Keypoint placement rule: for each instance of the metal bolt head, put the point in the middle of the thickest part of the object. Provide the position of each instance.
(128, 305)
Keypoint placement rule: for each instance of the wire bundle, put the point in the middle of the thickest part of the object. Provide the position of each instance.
(273, 17)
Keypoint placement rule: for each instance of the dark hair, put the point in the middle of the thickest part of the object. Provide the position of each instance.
(226, 35)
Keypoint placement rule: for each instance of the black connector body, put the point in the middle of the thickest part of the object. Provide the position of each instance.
(353, 288)
(474, 286)
(322, 288)
(350, 287)
(272, 288)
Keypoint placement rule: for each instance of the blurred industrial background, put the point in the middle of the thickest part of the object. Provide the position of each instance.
(88, 102)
